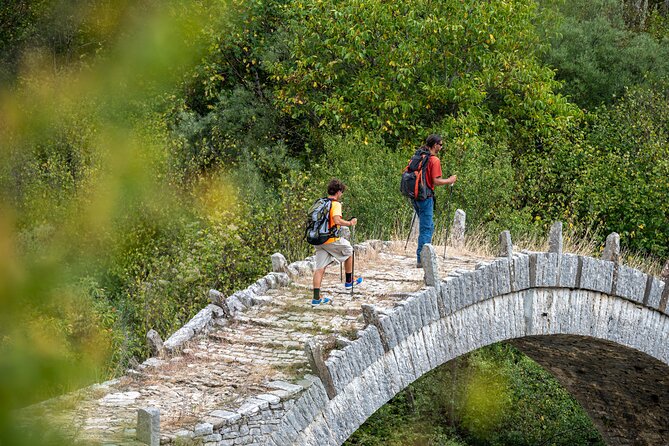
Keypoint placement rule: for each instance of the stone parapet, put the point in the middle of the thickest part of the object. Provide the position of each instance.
(450, 313)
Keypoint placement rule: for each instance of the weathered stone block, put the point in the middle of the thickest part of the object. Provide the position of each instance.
(555, 238)
(314, 354)
(203, 429)
(341, 370)
(249, 407)
(450, 288)
(568, 277)
(476, 287)
(279, 263)
(244, 296)
(458, 232)
(280, 279)
(371, 317)
(503, 274)
(412, 313)
(217, 298)
(467, 289)
(543, 269)
(388, 329)
(505, 245)
(257, 300)
(212, 438)
(654, 292)
(271, 399)
(612, 248)
(235, 305)
(373, 344)
(430, 263)
(520, 272)
(196, 325)
(317, 390)
(631, 284)
(292, 389)
(429, 301)
(596, 275)
(148, 426)
(397, 318)
(490, 279)
(179, 337)
(155, 343)
(302, 267)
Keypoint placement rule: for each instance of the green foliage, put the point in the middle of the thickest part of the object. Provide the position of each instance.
(126, 198)
(18, 23)
(658, 24)
(494, 396)
(371, 173)
(226, 112)
(623, 186)
(596, 55)
(397, 70)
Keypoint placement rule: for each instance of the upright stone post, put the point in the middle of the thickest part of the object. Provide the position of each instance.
(279, 263)
(458, 234)
(148, 426)
(371, 316)
(428, 257)
(505, 245)
(612, 248)
(314, 352)
(665, 292)
(217, 298)
(155, 343)
(555, 238)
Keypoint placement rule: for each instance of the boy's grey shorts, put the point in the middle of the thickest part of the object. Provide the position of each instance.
(340, 250)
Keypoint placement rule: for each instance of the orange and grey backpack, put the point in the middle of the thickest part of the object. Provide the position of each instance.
(318, 229)
(413, 184)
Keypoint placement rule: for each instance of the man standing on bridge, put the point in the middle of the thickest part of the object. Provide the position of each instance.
(425, 208)
(334, 248)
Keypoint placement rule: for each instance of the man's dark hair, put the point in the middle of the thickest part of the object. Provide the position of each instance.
(432, 140)
(335, 186)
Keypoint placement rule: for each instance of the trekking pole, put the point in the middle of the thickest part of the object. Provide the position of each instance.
(413, 219)
(353, 262)
(448, 216)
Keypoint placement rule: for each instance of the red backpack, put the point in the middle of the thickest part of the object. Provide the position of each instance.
(413, 184)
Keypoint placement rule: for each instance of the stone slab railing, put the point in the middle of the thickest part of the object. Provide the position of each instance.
(391, 352)
(362, 376)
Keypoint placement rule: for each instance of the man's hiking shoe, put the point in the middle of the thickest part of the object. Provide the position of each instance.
(419, 265)
(349, 285)
(320, 302)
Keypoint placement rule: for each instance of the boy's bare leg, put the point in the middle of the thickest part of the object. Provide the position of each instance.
(318, 277)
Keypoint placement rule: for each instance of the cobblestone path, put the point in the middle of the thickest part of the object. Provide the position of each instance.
(256, 352)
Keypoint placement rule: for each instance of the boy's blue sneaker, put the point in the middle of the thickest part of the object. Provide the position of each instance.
(319, 302)
(357, 281)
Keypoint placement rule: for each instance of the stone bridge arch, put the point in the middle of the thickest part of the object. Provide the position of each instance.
(556, 307)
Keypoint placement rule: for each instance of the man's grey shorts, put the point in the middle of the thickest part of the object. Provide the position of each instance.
(340, 250)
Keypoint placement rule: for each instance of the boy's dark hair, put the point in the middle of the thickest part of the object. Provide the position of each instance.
(432, 140)
(335, 186)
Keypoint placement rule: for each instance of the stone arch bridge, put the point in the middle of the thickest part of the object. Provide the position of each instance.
(261, 367)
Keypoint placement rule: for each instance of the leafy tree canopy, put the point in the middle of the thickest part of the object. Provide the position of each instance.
(396, 69)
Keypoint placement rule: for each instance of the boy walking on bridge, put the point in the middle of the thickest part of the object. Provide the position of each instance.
(334, 248)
